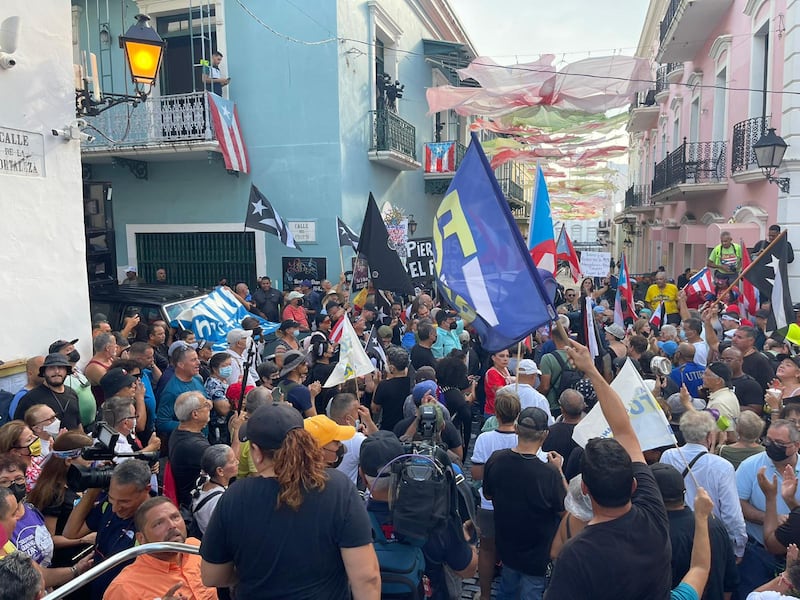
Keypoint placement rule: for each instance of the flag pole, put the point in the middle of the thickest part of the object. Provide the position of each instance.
(755, 262)
(341, 259)
(519, 358)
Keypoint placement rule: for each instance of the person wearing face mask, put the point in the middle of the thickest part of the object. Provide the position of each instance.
(45, 424)
(55, 500)
(17, 439)
(53, 392)
(345, 409)
(30, 535)
(239, 342)
(329, 436)
(287, 340)
(448, 328)
(216, 386)
(294, 311)
(777, 463)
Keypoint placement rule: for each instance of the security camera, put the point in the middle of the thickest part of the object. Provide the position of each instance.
(7, 61)
(85, 137)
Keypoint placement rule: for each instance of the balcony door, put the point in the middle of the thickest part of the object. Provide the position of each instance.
(191, 38)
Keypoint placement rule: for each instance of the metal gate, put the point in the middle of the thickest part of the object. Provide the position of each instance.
(200, 259)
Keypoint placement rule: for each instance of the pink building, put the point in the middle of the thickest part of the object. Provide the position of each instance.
(692, 170)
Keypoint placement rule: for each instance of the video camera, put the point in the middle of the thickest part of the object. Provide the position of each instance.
(80, 478)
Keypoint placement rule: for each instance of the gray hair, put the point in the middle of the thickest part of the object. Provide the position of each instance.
(341, 405)
(256, 398)
(103, 341)
(571, 402)
(116, 409)
(215, 457)
(696, 425)
(21, 579)
(186, 404)
(794, 434)
(4, 508)
(398, 358)
(670, 331)
(749, 426)
(132, 472)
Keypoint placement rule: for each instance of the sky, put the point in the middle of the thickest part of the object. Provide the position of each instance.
(511, 31)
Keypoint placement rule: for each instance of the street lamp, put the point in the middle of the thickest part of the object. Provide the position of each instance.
(628, 242)
(769, 152)
(144, 51)
(412, 225)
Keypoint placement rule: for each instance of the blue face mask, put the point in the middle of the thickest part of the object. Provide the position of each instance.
(682, 335)
(226, 372)
(297, 333)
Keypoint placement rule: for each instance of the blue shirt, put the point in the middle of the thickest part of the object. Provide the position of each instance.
(12, 408)
(149, 403)
(691, 374)
(113, 536)
(749, 490)
(166, 421)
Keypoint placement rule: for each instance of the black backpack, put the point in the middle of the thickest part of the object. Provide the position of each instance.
(5, 405)
(192, 528)
(567, 379)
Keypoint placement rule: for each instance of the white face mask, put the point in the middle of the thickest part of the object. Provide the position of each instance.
(53, 428)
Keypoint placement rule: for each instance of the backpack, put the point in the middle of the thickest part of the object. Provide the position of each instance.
(192, 528)
(402, 563)
(567, 379)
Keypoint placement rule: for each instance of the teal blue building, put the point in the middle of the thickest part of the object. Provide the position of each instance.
(314, 84)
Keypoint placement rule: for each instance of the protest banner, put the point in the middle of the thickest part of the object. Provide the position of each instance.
(595, 264)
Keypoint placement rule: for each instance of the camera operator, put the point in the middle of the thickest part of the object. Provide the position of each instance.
(447, 545)
(111, 514)
(120, 413)
(444, 432)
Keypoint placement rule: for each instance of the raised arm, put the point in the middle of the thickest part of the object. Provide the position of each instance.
(700, 564)
(610, 403)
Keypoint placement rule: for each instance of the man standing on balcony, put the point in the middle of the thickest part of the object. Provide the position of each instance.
(772, 233)
(726, 257)
(213, 76)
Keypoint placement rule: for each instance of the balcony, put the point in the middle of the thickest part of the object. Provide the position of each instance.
(638, 196)
(442, 160)
(746, 133)
(174, 127)
(694, 168)
(393, 141)
(511, 177)
(522, 215)
(662, 84)
(643, 112)
(685, 27)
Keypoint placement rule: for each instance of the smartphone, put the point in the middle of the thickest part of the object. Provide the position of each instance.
(83, 553)
(277, 396)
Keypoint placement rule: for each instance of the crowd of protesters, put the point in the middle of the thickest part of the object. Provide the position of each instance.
(282, 482)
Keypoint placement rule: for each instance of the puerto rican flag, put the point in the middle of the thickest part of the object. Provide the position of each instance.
(336, 333)
(659, 316)
(440, 157)
(225, 121)
(541, 243)
(565, 251)
(702, 282)
(624, 292)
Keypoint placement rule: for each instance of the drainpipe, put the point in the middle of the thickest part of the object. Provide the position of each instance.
(373, 90)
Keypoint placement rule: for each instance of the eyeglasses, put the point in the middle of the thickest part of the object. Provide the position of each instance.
(48, 421)
(19, 480)
(131, 417)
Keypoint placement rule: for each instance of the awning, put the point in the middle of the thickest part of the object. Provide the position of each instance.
(449, 57)
(749, 233)
(692, 234)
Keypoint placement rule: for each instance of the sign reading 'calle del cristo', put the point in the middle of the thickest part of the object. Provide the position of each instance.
(21, 153)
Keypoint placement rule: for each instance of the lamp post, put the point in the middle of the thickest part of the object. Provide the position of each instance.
(769, 152)
(412, 225)
(144, 52)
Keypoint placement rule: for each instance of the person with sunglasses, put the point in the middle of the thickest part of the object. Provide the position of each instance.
(120, 413)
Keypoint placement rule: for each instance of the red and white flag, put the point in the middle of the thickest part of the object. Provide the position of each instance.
(225, 121)
(565, 251)
(338, 329)
(440, 157)
(658, 317)
(749, 296)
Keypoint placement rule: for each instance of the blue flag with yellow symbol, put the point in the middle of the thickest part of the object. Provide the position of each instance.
(483, 267)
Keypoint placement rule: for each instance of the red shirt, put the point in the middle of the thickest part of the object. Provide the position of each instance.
(493, 381)
(297, 313)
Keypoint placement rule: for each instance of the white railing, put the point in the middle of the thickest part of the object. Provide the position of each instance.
(159, 120)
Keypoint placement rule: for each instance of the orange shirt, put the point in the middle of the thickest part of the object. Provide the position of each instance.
(148, 578)
(298, 313)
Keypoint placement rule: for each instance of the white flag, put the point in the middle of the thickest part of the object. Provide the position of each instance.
(648, 420)
(353, 361)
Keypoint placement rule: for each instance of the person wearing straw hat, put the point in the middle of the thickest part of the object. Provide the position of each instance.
(701, 468)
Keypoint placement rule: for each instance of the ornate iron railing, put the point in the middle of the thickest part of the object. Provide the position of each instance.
(695, 162)
(662, 85)
(637, 195)
(163, 119)
(745, 135)
(511, 177)
(669, 16)
(390, 132)
(643, 99)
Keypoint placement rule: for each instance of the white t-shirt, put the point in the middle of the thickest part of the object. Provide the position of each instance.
(489, 442)
(349, 464)
(700, 353)
(203, 516)
(529, 397)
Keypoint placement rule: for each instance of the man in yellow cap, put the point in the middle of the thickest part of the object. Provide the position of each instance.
(329, 436)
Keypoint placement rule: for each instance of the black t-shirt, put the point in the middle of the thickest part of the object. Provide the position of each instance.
(560, 439)
(450, 436)
(421, 357)
(789, 531)
(623, 558)
(269, 303)
(724, 575)
(747, 390)
(64, 404)
(62, 557)
(759, 368)
(113, 535)
(282, 553)
(185, 454)
(390, 396)
(528, 497)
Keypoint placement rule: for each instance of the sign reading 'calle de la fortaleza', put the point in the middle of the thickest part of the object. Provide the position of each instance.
(21, 153)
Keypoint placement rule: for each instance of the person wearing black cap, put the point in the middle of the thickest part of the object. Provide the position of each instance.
(52, 392)
(447, 545)
(296, 529)
(527, 489)
(723, 576)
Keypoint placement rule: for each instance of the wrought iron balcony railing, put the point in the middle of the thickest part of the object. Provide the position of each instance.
(643, 100)
(637, 195)
(662, 85)
(159, 120)
(511, 177)
(745, 135)
(691, 162)
(669, 16)
(391, 133)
